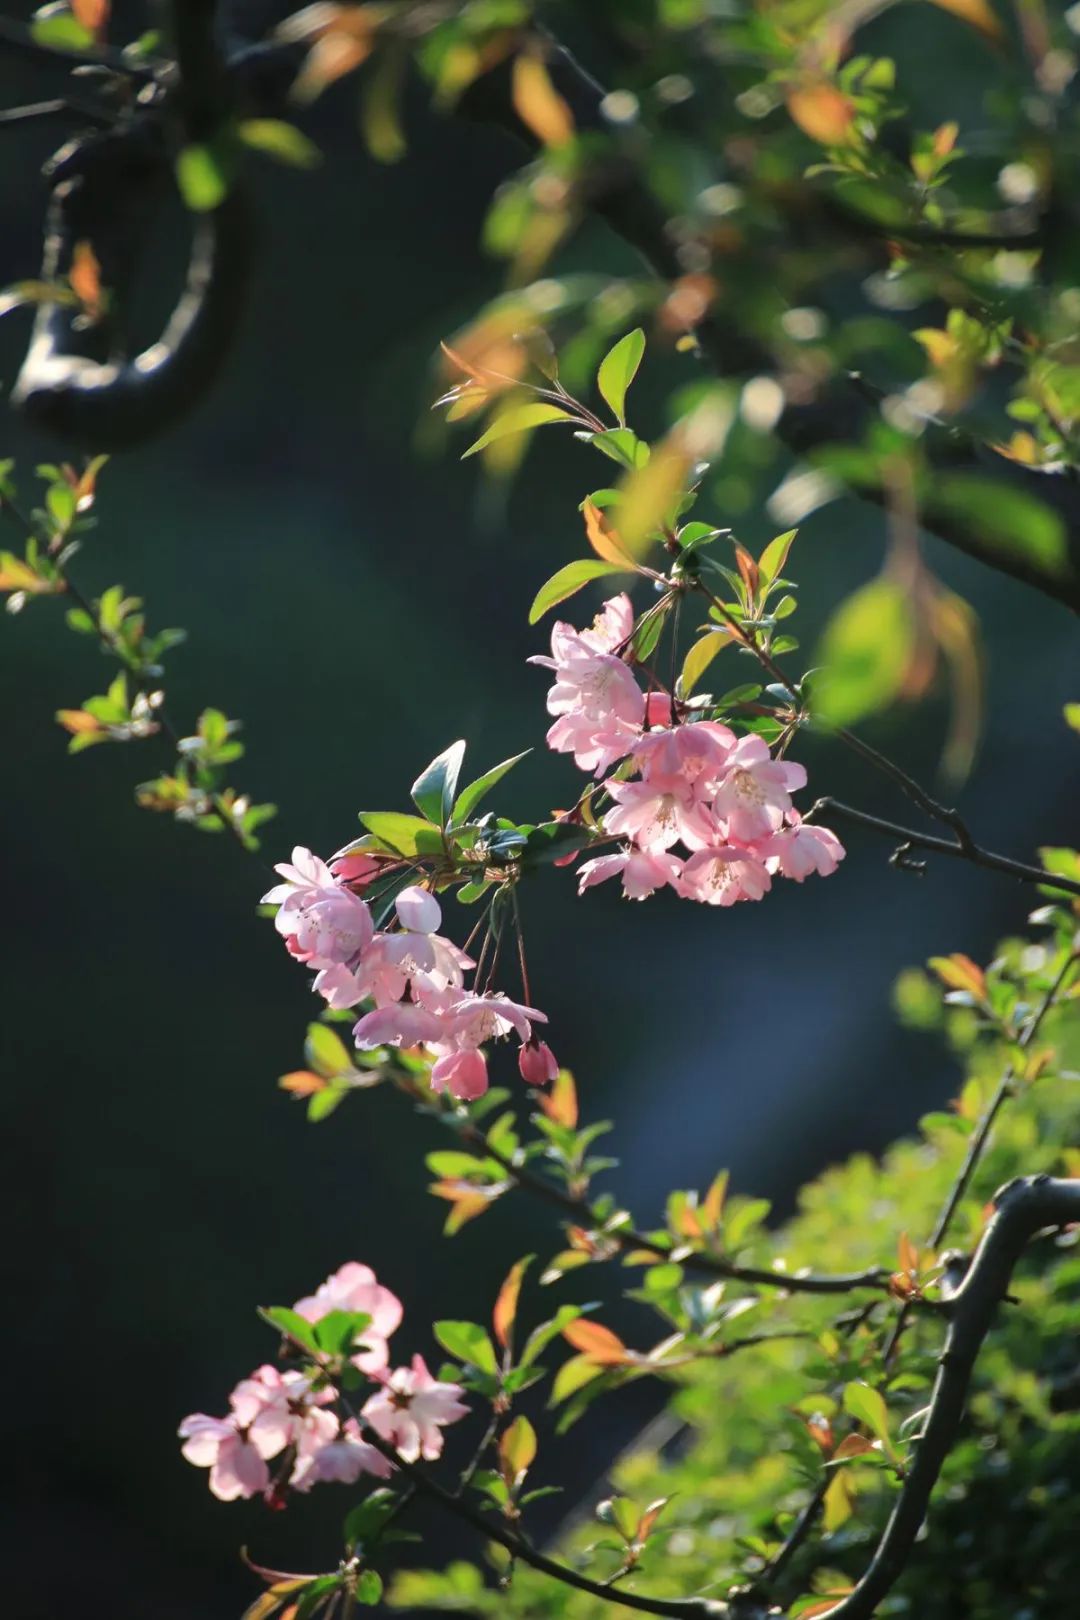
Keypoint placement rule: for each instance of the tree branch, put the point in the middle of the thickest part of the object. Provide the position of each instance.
(628, 1238)
(845, 408)
(1021, 1209)
(973, 853)
(70, 382)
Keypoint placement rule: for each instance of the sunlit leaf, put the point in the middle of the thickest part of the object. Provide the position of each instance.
(599, 1343)
(517, 1449)
(567, 582)
(280, 140)
(823, 112)
(506, 1304)
(538, 104)
(517, 419)
(864, 653)
(618, 370)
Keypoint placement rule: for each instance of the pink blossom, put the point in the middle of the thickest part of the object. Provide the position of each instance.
(723, 875)
(341, 1461)
(658, 812)
(613, 625)
(597, 685)
(802, 848)
(323, 923)
(696, 753)
(474, 1019)
(658, 709)
(537, 1063)
(642, 871)
(265, 1408)
(401, 1024)
(755, 792)
(339, 986)
(596, 745)
(411, 1409)
(305, 879)
(236, 1467)
(354, 1287)
(415, 954)
(463, 1074)
(357, 870)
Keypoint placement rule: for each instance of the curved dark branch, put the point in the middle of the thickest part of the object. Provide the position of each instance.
(1021, 1209)
(956, 850)
(70, 383)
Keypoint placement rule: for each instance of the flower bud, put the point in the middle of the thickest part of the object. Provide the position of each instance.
(537, 1063)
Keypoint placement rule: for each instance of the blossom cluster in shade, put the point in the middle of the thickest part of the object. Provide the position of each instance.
(701, 811)
(413, 976)
(281, 1433)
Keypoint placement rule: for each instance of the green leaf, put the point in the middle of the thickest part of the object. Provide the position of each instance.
(201, 178)
(291, 1325)
(618, 370)
(567, 582)
(326, 1052)
(434, 789)
(60, 499)
(324, 1102)
(541, 1336)
(280, 140)
(369, 1587)
(397, 831)
(469, 1343)
(622, 446)
(518, 419)
(1006, 520)
(699, 657)
(866, 650)
(773, 558)
(366, 1520)
(572, 1376)
(338, 1331)
(470, 797)
(866, 1405)
(55, 27)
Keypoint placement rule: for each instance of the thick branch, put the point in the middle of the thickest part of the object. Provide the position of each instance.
(1022, 1208)
(68, 385)
(843, 411)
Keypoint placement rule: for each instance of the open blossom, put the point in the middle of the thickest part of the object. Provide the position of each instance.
(724, 875)
(472, 1019)
(354, 1287)
(696, 754)
(340, 1461)
(643, 871)
(402, 1024)
(802, 848)
(236, 1467)
(756, 791)
(411, 1409)
(323, 923)
(659, 812)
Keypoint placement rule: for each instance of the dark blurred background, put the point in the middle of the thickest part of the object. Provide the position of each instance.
(359, 604)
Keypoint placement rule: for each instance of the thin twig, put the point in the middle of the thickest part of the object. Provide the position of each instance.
(972, 852)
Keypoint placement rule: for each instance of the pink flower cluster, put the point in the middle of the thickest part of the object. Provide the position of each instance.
(413, 975)
(276, 1414)
(725, 800)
